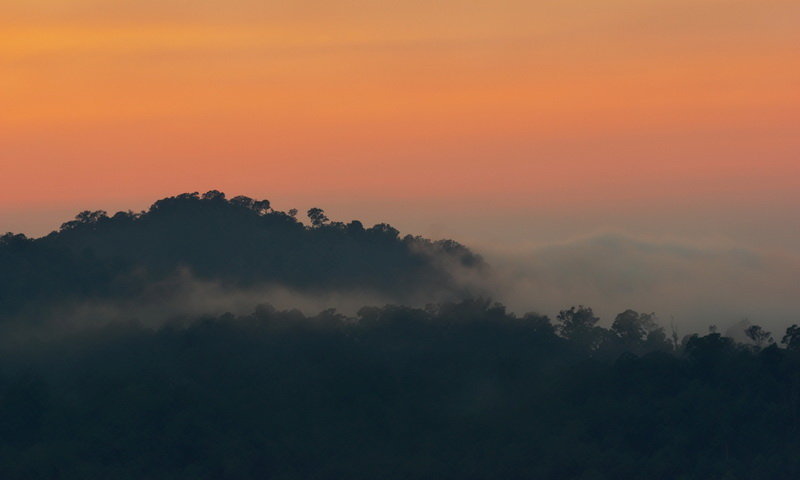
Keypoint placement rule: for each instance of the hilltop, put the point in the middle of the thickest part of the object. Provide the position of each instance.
(238, 242)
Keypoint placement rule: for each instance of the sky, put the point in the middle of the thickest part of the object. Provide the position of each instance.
(506, 124)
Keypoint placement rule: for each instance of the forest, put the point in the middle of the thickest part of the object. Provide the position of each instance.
(456, 388)
(238, 243)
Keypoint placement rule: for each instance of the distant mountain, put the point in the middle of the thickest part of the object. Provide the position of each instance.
(239, 242)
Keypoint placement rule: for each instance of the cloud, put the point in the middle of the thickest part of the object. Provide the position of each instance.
(695, 285)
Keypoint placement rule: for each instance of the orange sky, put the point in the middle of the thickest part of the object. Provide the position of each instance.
(539, 109)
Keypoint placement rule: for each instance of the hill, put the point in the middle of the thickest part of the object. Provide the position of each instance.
(238, 242)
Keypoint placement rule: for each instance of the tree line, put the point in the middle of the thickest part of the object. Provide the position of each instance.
(460, 390)
(237, 242)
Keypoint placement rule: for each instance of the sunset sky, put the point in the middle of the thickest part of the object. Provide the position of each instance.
(502, 120)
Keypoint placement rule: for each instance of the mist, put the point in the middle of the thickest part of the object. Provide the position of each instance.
(190, 255)
(691, 285)
(219, 338)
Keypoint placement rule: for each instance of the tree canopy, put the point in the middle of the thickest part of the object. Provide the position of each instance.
(461, 388)
(238, 242)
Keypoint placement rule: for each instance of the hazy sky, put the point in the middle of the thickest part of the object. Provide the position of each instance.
(622, 153)
(492, 121)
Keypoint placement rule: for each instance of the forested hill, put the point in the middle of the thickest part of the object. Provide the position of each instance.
(238, 242)
(454, 392)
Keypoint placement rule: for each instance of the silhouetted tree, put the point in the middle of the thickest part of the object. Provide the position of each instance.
(792, 338)
(633, 327)
(317, 217)
(259, 206)
(579, 325)
(758, 335)
(639, 332)
(86, 217)
(243, 201)
(213, 195)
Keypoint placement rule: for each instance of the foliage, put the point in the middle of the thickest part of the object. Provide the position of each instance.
(455, 390)
(462, 390)
(237, 242)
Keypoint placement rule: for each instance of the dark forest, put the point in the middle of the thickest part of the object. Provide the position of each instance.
(438, 382)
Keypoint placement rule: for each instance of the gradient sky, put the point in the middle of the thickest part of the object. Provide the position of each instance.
(490, 120)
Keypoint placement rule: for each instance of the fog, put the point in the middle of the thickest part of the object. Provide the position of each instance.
(692, 285)
(687, 283)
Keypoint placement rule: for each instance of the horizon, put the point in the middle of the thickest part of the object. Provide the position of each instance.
(665, 120)
(690, 285)
(359, 239)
